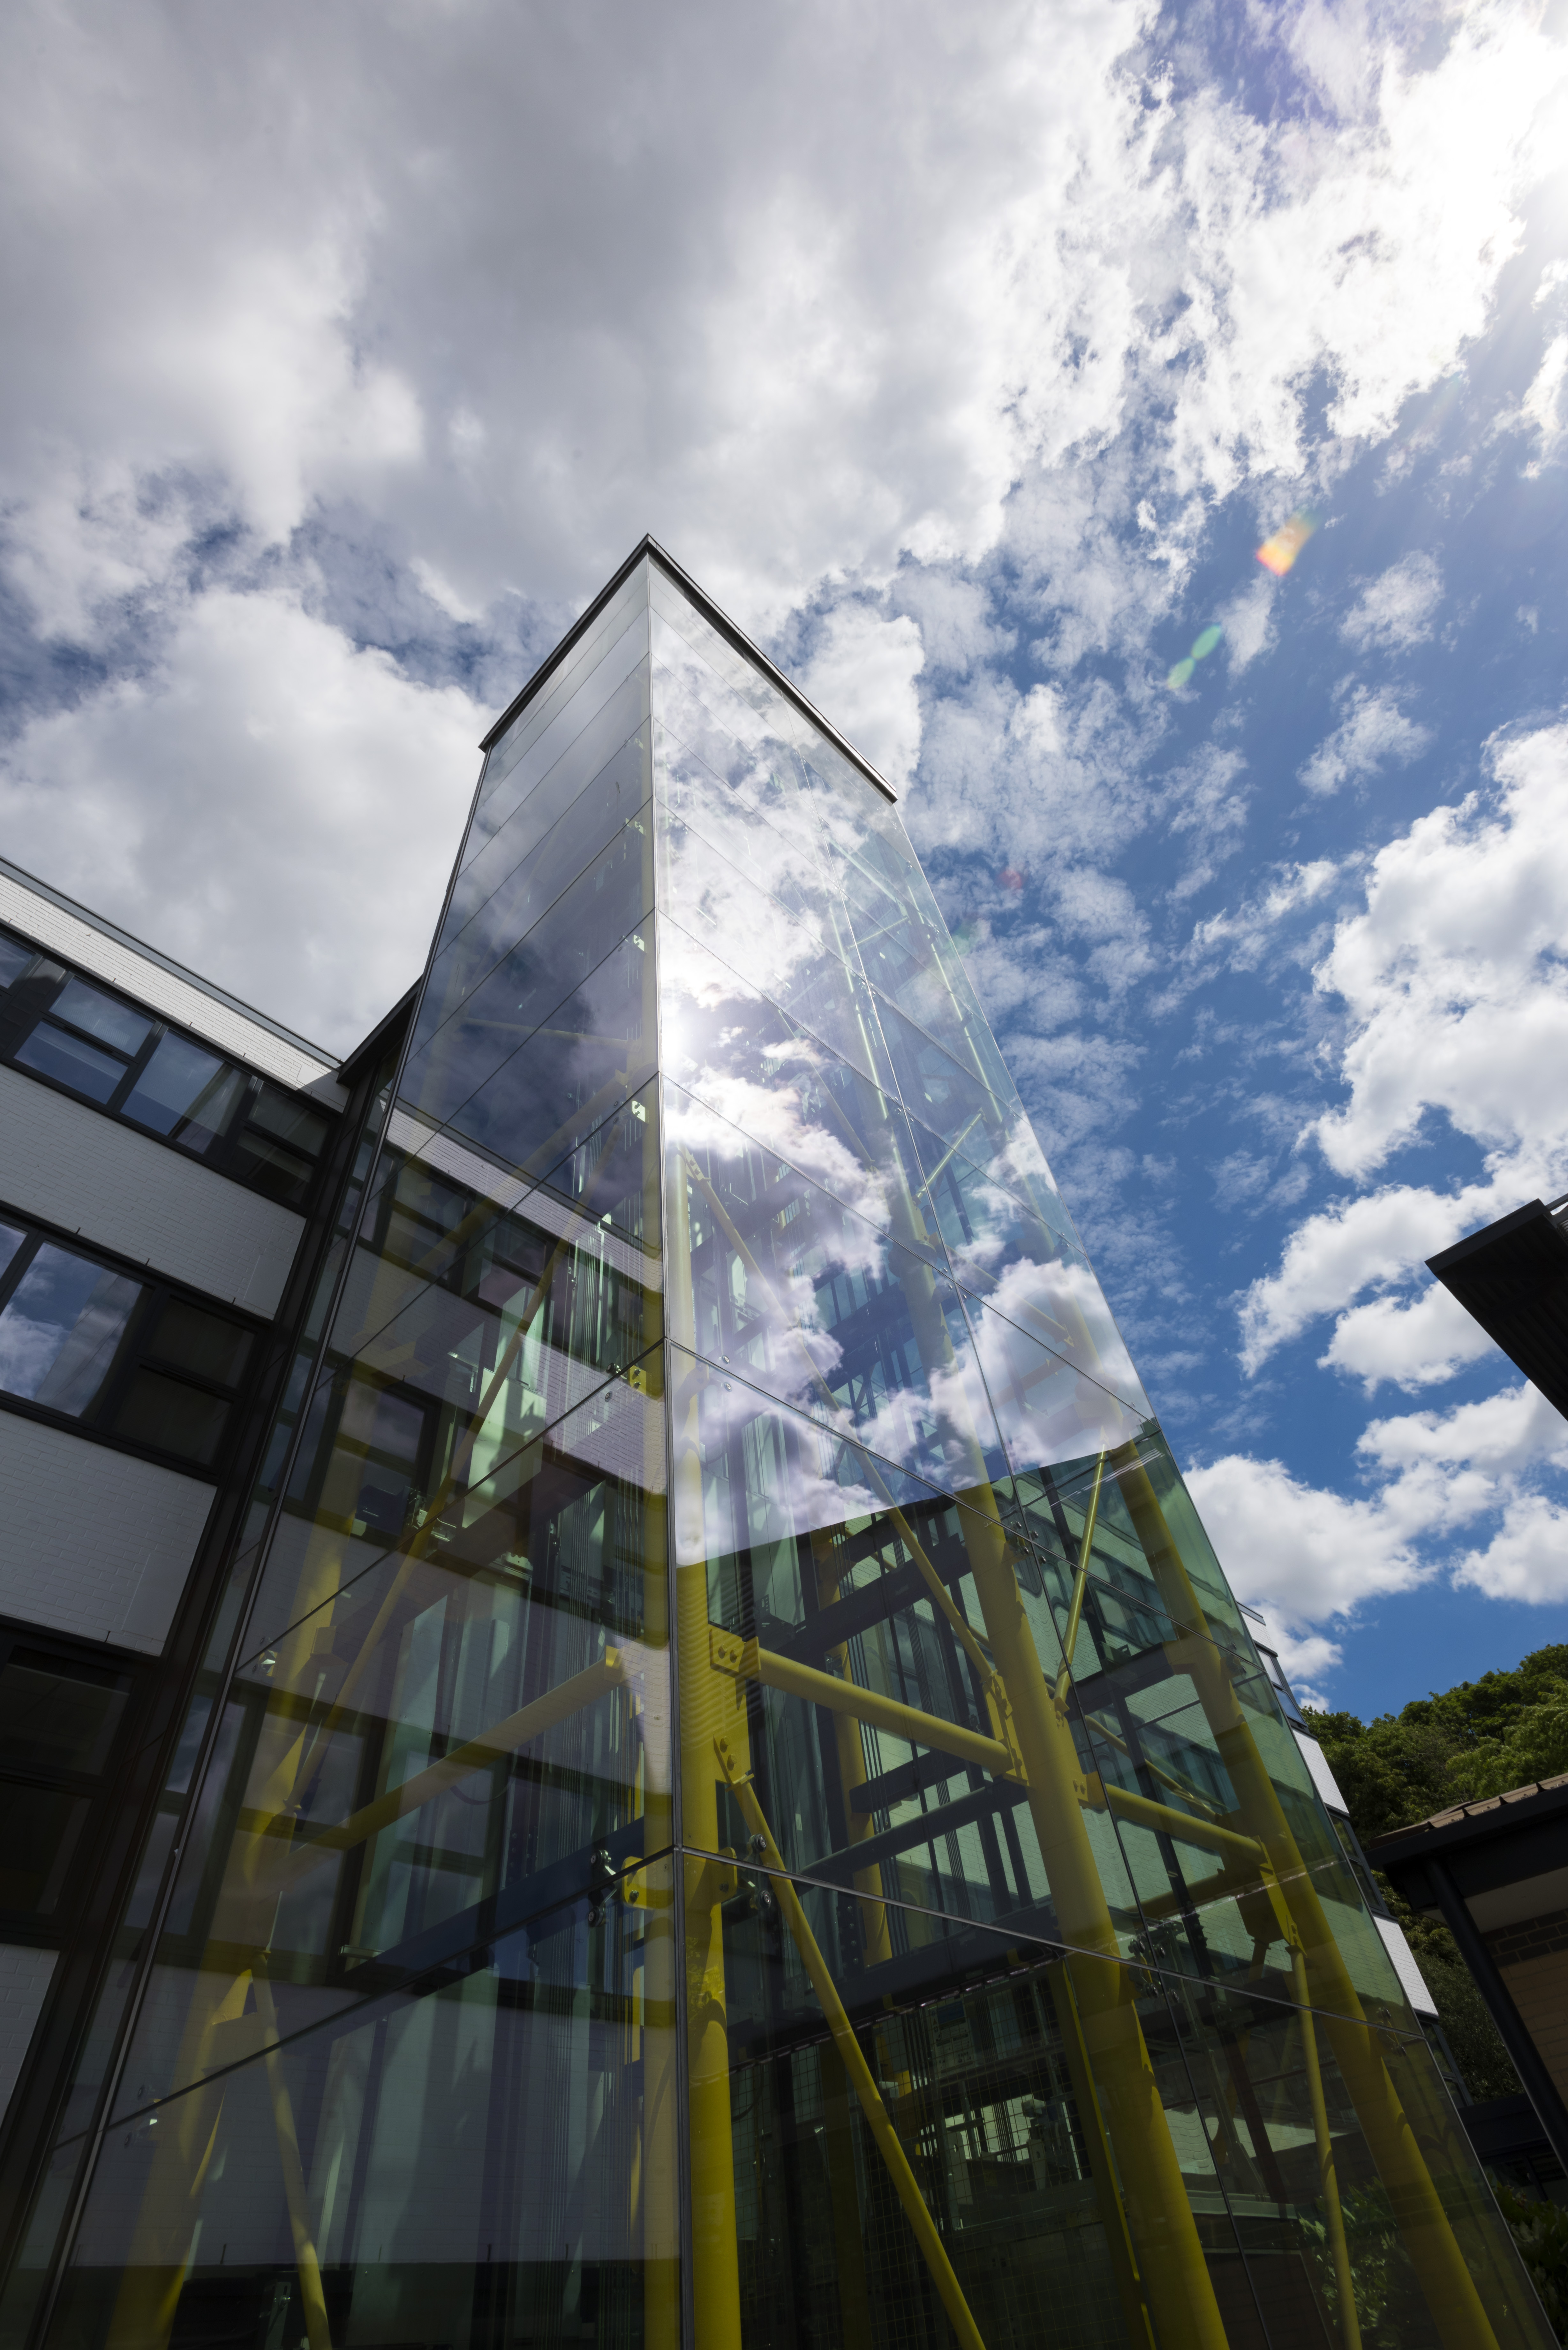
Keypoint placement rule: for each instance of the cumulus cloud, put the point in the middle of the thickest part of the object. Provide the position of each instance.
(1375, 733)
(862, 678)
(254, 805)
(1303, 1555)
(1527, 1558)
(1414, 1343)
(1356, 1245)
(1394, 611)
(1453, 979)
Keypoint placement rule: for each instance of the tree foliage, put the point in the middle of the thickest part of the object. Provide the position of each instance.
(1503, 1730)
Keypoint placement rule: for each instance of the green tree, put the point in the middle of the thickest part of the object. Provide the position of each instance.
(1481, 1738)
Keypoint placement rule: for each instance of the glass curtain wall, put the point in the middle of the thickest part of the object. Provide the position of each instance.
(746, 1813)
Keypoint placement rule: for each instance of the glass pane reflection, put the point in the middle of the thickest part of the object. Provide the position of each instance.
(484, 2154)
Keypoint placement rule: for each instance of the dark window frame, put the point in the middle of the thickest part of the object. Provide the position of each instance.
(240, 1150)
(134, 1352)
(98, 1789)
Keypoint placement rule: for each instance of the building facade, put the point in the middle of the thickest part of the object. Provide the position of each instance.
(699, 1780)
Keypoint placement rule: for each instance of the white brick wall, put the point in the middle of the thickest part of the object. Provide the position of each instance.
(24, 1979)
(75, 1167)
(164, 991)
(93, 1541)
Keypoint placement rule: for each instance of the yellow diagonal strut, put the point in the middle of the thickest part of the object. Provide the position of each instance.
(906, 2185)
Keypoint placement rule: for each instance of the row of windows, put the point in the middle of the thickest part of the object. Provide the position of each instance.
(126, 1358)
(101, 1047)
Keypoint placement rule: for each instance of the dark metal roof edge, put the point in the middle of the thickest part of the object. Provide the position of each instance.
(716, 618)
(1476, 1823)
(1533, 1211)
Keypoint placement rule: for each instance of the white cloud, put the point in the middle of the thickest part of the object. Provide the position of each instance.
(1356, 1245)
(1453, 979)
(1527, 1558)
(1375, 733)
(862, 679)
(1543, 407)
(1413, 1343)
(1303, 1556)
(1243, 938)
(1247, 621)
(271, 806)
(1395, 609)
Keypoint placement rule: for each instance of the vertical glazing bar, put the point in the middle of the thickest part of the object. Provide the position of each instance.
(710, 1704)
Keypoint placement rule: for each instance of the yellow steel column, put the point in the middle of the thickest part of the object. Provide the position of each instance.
(1164, 2231)
(1439, 2263)
(849, 1745)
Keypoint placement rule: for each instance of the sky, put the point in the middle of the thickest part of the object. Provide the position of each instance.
(967, 355)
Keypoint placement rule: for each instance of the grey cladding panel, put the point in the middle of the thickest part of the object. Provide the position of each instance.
(69, 1166)
(95, 1541)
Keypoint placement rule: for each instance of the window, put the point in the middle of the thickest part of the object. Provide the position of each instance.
(126, 1358)
(59, 1025)
(60, 1719)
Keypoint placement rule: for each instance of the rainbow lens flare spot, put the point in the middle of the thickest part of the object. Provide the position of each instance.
(1278, 553)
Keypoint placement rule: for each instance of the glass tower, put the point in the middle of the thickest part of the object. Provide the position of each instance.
(733, 1804)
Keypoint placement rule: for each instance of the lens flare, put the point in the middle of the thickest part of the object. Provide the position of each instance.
(1278, 553)
(1202, 646)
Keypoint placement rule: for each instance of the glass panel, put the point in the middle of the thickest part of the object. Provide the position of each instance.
(11, 1241)
(793, 962)
(616, 741)
(806, 1300)
(437, 1737)
(559, 714)
(86, 1068)
(538, 974)
(165, 1413)
(185, 1093)
(39, 1830)
(62, 1327)
(947, 2084)
(483, 2155)
(203, 1343)
(14, 959)
(720, 808)
(715, 1028)
(290, 1120)
(823, 1121)
(940, 1093)
(103, 1016)
(58, 1716)
(605, 813)
(594, 1050)
(988, 1152)
(1047, 1408)
(271, 1168)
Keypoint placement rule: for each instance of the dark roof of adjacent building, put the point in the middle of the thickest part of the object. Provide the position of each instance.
(1467, 1823)
(1506, 1855)
(1512, 1278)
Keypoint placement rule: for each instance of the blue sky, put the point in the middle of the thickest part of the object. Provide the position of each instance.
(968, 356)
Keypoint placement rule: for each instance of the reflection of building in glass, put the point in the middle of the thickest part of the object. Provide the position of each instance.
(724, 1797)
